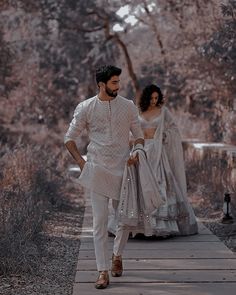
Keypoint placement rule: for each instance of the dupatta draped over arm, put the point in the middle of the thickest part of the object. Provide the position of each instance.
(140, 195)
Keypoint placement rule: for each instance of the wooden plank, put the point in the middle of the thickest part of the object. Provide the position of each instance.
(163, 245)
(89, 233)
(195, 238)
(161, 264)
(163, 276)
(165, 254)
(88, 229)
(156, 288)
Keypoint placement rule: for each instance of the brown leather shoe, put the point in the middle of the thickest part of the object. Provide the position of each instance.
(102, 280)
(117, 267)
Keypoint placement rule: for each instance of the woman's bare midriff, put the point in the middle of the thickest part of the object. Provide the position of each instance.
(149, 133)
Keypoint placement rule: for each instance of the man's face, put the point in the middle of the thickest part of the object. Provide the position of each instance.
(112, 86)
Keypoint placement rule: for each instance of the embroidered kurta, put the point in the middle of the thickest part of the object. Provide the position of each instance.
(108, 124)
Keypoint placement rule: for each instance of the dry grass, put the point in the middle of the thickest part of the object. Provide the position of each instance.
(30, 182)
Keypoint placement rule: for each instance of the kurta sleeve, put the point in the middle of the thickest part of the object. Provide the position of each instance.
(135, 123)
(77, 125)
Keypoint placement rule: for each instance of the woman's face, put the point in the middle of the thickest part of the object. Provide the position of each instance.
(154, 99)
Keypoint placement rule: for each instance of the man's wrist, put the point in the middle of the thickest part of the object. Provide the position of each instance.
(138, 147)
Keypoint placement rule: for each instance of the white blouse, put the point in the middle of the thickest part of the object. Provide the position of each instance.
(152, 123)
(108, 124)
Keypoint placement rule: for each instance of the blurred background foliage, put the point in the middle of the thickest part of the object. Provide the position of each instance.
(50, 49)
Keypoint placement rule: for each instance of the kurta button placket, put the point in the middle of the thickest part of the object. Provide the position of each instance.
(110, 127)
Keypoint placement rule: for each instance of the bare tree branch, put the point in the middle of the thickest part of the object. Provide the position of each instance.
(122, 45)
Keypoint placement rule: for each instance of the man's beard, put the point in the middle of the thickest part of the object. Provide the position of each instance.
(110, 92)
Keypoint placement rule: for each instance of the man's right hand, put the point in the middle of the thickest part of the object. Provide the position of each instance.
(72, 148)
(133, 159)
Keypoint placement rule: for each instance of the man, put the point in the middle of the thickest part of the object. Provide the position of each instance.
(108, 118)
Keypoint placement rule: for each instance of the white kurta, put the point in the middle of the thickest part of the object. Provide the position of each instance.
(108, 124)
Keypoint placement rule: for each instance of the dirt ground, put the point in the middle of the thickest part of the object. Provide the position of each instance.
(58, 244)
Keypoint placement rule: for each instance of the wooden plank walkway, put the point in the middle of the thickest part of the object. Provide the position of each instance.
(198, 265)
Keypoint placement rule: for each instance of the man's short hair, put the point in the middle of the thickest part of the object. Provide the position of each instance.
(104, 73)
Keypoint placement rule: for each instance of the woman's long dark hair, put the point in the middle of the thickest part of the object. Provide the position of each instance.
(145, 98)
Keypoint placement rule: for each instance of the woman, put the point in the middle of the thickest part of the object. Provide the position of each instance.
(163, 147)
(164, 152)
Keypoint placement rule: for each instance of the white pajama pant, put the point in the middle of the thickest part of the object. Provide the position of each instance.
(100, 235)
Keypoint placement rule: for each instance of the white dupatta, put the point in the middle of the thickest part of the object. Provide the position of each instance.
(140, 195)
